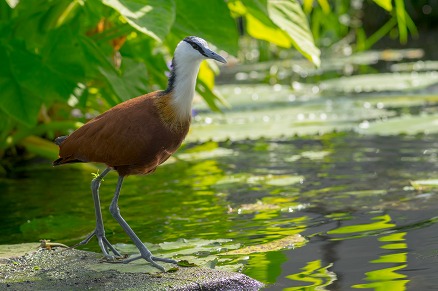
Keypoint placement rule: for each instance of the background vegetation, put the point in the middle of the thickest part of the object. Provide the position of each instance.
(65, 61)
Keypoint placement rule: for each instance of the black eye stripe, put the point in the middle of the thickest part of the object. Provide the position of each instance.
(196, 46)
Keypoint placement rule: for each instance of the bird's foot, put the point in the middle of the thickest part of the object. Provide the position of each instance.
(104, 244)
(146, 254)
(152, 260)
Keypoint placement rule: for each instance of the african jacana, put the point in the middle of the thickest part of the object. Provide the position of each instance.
(136, 136)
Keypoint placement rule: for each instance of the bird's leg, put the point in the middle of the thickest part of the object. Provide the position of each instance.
(99, 231)
(144, 252)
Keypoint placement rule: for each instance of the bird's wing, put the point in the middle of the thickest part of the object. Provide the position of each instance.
(120, 136)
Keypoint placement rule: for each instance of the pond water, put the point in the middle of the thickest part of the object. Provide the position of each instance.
(324, 187)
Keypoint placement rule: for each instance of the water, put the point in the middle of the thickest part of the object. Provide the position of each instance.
(311, 189)
(349, 196)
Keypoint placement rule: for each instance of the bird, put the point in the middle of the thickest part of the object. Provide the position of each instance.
(136, 136)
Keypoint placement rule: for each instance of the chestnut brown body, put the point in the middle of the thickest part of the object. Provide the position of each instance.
(133, 137)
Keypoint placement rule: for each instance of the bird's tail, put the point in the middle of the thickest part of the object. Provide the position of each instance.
(58, 141)
(57, 162)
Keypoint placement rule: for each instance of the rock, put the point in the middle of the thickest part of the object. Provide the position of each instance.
(71, 269)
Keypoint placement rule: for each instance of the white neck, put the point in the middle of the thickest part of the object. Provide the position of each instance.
(186, 68)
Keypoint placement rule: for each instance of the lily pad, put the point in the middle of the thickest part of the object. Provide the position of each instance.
(406, 124)
(380, 82)
(425, 184)
(272, 180)
(275, 245)
(199, 252)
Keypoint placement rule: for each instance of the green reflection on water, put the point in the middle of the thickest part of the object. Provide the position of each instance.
(265, 266)
(383, 222)
(315, 275)
(253, 194)
(384, 278)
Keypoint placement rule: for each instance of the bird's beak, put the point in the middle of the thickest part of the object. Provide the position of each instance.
(212, 55)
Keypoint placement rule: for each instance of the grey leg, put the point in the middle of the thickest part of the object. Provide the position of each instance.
(144, 252)
(99, 231)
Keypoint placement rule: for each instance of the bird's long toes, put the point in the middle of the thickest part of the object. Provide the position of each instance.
(152, 260)
(171, 261)
(110, 247)
(88, 238)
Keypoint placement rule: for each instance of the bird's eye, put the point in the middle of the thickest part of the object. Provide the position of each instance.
(195, 46)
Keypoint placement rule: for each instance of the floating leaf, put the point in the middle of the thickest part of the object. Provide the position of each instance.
(185, 263)
(380, 82)
(276, 245)
(425, 184)
(284, 180)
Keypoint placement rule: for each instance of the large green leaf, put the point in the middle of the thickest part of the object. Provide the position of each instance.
(260, 26)
(289, 16)
(132, 81)
(210, 20)
(151, 17)
(33, 73)
(19, 104)
(281, 22)
(143, 49)
(23, 107)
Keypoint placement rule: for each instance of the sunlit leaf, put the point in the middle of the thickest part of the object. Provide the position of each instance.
(151, 17)
(325, 6)
(259, 25)
(12, 3)
(206, 74)
(259, 30)
(307, 6)
(216, 25)
(385, 4)
(275, 245)
(289, 16)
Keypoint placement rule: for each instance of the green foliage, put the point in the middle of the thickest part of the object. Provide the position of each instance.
(89, 55)
(338, 19)
(280, 22)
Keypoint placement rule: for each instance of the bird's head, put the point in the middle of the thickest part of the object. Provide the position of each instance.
(196, 49)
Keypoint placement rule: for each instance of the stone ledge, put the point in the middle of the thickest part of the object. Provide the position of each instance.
(27, 267)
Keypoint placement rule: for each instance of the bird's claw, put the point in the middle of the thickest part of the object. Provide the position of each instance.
(152, 260)
(104, 244)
